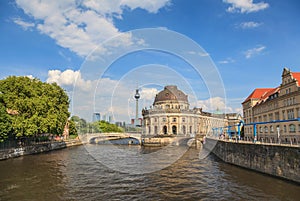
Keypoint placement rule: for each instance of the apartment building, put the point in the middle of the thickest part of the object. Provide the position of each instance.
(271, 114)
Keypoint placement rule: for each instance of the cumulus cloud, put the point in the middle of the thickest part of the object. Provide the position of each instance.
(212, 104)
(245, 6)
(82, 26)
(249, 25)
(215, 104)
(68, 79)
(254, 51)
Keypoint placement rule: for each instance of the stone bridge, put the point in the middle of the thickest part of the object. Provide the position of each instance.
(91, 137)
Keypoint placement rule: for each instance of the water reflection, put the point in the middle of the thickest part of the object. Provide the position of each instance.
(72, 174)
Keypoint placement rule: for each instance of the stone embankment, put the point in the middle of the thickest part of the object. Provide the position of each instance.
(37, 148)
(277, 160)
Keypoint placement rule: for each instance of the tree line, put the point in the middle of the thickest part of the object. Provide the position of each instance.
(30, 107)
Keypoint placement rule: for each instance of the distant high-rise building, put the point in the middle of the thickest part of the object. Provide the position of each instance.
(110, 119)
(96, 116)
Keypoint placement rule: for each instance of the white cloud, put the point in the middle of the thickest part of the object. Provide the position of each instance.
(212, 104)
(30, 76)
(68, 79)
(202, 54)
(23, 24)
(82, 27)
(249, 25)
(227, 61)
(254, 51)
(215, 104)
(245, 6)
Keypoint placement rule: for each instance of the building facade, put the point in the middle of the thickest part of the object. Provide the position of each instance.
(170, 114)
(278, 107)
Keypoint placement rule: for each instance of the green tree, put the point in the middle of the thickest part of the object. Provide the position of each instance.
(80, 124)
(106, 127)
(40, 107)
(72, 128)
(5, 124)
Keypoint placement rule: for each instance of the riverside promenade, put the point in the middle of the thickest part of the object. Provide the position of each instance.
(279, 160)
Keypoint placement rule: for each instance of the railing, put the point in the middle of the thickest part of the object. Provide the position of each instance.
(260, 141)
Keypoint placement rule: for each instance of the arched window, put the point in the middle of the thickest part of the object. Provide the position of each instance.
(266, 129)
(271, 129)
(292, 128)
(260, 129)
(183, 130)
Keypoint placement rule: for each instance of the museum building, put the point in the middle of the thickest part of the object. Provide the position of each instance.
(170, 114)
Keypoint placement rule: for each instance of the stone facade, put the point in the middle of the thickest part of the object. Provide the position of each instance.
(171, 115)
(276, 160)
(275, 104)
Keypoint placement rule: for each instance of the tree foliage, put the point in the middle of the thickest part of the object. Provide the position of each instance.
(94, 127)
(5, 123)
(39, 107)
(106, 127)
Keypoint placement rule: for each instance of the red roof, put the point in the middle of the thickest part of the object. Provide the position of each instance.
(297, 77)
(260, 93)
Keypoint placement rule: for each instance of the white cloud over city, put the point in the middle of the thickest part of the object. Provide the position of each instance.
(245, 6)
(250, 25)
(116, 97)
(254, 51)
(81, 28)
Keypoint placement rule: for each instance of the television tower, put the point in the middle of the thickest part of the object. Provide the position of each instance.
(136, 96)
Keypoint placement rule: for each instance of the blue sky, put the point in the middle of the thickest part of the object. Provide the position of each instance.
(249, 42)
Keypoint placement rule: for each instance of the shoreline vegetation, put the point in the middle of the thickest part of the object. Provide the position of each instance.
(35, 117)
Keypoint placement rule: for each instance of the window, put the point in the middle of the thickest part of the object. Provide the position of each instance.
(284, 128)
(283, 115)
(266, 129)
(292, 128)
(270, 117)
(164, 119)
(183, 119)
(260, 129)
(174, 120)
(271, 129)
(290, 114)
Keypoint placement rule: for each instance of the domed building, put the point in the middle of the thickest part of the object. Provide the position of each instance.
(170, 115)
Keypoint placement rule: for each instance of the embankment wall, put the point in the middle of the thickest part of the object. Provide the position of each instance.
(35, 149)
(277, 160)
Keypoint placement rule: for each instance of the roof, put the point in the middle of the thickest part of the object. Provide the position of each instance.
(259, 93)
(297, 77)
(171, 93)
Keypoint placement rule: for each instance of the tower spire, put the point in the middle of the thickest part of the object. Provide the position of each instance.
(136, 96)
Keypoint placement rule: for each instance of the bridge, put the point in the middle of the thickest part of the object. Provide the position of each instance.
(102, 137)
(134, 138)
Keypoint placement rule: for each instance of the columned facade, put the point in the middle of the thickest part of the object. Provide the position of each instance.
(171, 115)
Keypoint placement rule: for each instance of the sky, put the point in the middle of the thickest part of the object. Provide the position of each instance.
(216, 51)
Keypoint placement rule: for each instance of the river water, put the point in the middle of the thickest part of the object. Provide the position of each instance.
(75, 174)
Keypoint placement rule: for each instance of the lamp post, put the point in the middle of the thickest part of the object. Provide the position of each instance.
(136, 96)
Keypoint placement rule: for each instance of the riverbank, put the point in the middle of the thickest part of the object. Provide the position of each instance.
(37, 148)
(276, 160)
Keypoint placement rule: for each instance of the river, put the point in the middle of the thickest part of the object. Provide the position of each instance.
(76, 174)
